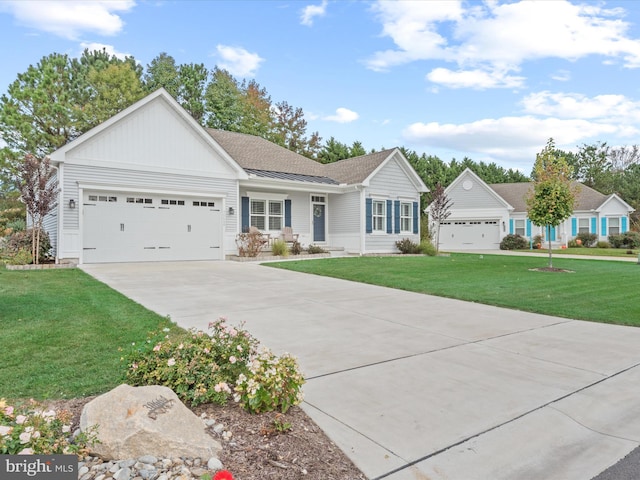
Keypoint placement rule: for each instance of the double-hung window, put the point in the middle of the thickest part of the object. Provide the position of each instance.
(520, 227)
(614, 225)
(267, 214)
(406, 217)
(583, 225)
(379, 215)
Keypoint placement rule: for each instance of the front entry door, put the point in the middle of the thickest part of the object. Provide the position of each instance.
(319, 222)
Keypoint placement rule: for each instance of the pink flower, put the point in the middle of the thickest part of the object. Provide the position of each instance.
(20, 419)
(156, 348)
(9, 411)
(26, 451)
(171, 362)
(232, 359)
(4, 430)
(206, 350)
(25, 437)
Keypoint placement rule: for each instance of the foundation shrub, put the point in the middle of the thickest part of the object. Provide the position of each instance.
(513, 242)
(406, 246)
(587, 239)
(279, 248)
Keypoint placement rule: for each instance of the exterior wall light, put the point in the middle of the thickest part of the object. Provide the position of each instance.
(72, 204)
(231, 211)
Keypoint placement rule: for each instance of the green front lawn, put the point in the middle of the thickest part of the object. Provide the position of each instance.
(597, 290)
(61, 331)
(590, 252)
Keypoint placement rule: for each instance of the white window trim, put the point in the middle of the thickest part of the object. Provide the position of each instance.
(374, 216)
(588, 222)
(609, 225)
(409, 217)
(267, 215)
(523, 228)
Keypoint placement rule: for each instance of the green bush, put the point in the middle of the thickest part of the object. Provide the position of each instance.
(279, 247)
(514, 242)
(296, 248)
(631, 239)
(199, 368)
(406, 246)
(587, 239)
(313, 249)
(573, 244)
(428, 248)
(21, 240)
(603, 244)
(272, 383)
(250, 244)
(30, 429)
(21, 257)
(616, 241)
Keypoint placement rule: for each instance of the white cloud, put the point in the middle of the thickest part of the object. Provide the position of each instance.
(343, 115)
(610, 108)
(110, 49)
(479, 79)
(70, 19)
(238, 61)
(561, 76)
(311, 11)
(495, 36)
(511, 140)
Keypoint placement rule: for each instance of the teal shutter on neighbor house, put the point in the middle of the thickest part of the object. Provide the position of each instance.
(416, 218)
(594, 226)
(369, 214)
(511, 225)
(396, 216)
(623, 225)
(245, 214)
(574, 226)
(552, 234)
(603, 229)
(528, 227)
(389, 216)
(287, 213)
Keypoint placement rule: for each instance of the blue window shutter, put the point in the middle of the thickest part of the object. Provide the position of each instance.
(396, 216)
(245, 214)
(574, 226)
(511, 225)
(528, 227)
(594, 227)
(623, 224)
(416, 218)
(552, 234)
(389, 217)
(603, 229)
(287, 213)
(369, 214)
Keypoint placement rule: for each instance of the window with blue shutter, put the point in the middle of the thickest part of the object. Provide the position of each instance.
(416, 218)
(623, 225)
(389, 217)
(287, 213)
(528, 227)
(603, 228)
(594, 226)
(574, 226)
(369, 215)
(245, 214)
(511, 226)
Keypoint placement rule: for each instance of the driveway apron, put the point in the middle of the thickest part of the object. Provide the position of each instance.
(412, 386)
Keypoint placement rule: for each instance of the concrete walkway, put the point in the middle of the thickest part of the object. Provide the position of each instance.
(412, 386)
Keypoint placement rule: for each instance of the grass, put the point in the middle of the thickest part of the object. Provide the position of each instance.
(61, 331)
(597, 290)
(591, 252)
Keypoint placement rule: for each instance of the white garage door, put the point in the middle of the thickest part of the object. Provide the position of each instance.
(470, 235)
(126, 227)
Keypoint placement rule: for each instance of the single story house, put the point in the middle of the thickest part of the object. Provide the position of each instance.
(483, 214)
(151, 184)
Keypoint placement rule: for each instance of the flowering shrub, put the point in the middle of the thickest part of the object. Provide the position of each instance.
(28, 430)
(223, 475)
(272, 382)
(200, 368)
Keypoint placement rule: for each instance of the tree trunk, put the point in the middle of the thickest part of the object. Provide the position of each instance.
(549, 238)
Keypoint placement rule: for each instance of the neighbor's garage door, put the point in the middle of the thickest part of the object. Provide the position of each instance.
(125, 227)
(469, 235)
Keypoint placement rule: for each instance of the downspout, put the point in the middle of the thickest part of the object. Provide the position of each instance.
(60, 208)
(363, 219)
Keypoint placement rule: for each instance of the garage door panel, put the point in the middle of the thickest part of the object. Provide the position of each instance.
(469, 235)
(148, 228)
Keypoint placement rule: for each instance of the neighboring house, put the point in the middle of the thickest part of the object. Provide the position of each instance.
(151, 184)
(483, 214)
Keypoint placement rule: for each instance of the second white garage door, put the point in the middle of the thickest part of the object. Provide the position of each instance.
(126, 227)
(469, 235)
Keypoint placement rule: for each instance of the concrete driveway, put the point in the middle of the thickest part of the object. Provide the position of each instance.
(412, 386)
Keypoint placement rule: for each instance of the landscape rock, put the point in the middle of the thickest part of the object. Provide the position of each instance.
(134, 422)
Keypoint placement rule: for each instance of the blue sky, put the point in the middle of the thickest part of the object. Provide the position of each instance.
(489, 80)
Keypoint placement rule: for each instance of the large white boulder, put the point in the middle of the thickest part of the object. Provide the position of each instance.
(151, 420)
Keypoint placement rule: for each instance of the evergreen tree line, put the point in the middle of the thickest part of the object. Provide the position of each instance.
(60, 98)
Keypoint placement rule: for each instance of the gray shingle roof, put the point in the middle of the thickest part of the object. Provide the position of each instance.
(515, 194)
(259, 156)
